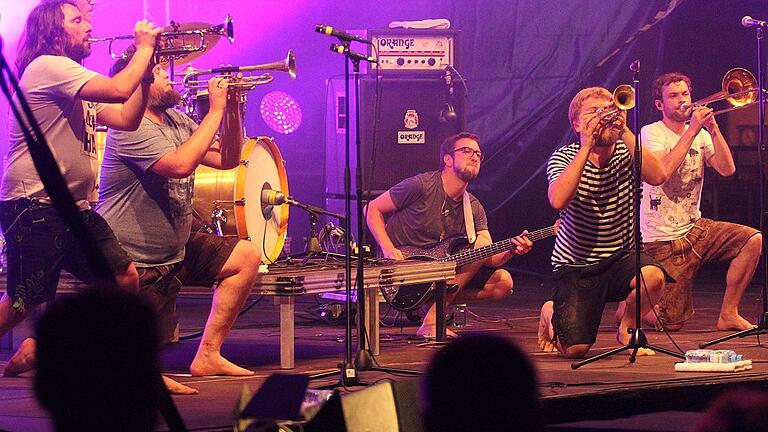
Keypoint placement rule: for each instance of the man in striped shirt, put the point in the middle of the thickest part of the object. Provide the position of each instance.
(590, 183)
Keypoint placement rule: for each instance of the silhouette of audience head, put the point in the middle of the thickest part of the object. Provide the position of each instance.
(98, 364)
(481, 383)
(743, 410)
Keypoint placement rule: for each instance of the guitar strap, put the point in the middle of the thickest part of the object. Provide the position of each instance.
(469, 219)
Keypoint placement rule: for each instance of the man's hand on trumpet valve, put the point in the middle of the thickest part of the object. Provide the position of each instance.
(145, 35)
(217, 93)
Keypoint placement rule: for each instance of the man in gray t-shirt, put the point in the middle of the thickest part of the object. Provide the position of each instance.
(145, 194)
(429, 208)
(63, 96)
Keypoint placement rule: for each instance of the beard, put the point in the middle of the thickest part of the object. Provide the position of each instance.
(167, 99)
(677, 116)
(467, 173)
(77, 51)
(607, 137)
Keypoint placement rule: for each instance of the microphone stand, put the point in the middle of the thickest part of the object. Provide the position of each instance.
(637, 339)
(762, 320)
(348, 369)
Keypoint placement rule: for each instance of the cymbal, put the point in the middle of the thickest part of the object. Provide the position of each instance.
(188, 42)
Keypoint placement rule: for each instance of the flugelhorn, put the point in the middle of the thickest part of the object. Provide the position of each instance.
(207, 35)
(739, 89)
(193, 83)
(623, 100)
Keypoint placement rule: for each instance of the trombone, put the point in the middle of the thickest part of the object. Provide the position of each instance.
(193, 83)
(739, 89)
(167, 49)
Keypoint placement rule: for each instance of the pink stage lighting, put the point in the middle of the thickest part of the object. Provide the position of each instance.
(280, 112)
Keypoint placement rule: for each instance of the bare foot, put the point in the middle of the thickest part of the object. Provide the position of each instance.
(623, 338)
(546, 333)
(429, 331)
(215, 364)
(733, 323)
(25, 359)
(176, 388)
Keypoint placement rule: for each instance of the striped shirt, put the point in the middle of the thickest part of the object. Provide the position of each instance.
(598, 221)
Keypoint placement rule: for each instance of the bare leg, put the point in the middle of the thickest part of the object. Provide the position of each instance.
(739, 276)
(238, 275)
(654, 283)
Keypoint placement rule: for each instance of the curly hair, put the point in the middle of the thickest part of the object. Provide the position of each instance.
(44, 34)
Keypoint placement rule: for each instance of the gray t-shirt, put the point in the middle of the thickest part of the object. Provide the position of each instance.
(51, 85)
(150, 214)
(426, 214)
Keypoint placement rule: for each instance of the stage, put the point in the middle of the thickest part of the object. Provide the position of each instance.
(583, 399)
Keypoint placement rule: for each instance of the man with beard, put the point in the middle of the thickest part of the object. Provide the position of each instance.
(590, 183)
(147, 184)
(65, 98)
(430, 207)
(671, 222)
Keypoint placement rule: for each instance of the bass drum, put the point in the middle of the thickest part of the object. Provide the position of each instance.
(236, 194)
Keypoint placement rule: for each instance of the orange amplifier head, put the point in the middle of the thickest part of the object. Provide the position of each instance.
(414, 51)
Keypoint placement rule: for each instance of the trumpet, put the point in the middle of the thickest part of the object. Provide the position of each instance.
(739, 89)
(623, 100)
(208, 36)
(193, 83)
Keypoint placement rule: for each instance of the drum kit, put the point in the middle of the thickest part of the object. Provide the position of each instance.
(226, 202)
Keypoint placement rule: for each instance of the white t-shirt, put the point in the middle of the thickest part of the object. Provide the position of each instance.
(669, 211)
(51, 84)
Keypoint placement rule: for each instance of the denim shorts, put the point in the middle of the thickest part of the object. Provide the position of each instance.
(39, 244)
(581, 293)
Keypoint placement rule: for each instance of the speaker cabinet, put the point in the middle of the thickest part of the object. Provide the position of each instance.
(403, 121)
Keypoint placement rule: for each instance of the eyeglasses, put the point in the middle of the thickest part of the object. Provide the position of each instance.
(469, 152)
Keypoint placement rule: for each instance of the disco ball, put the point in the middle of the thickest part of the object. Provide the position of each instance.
(280, 112)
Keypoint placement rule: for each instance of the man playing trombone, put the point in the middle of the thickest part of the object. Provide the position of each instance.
(67, 101)
(673, 229)
(147, 184)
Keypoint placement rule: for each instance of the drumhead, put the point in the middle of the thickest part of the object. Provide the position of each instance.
(265, 225)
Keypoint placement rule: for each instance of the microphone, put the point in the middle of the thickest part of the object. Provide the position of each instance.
(273, 197)
(748, 21)
(635, 66)
(342, 35)
(341, 49)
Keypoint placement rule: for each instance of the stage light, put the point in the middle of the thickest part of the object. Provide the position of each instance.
(281, 112)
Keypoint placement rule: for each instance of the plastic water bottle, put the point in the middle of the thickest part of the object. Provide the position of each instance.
(460, 315)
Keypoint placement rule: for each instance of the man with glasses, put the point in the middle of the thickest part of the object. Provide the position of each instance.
(430, 207)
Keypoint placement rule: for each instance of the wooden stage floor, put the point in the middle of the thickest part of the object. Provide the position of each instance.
(647, 393)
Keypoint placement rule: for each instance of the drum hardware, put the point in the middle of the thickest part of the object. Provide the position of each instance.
(218, 219)
(175, 43)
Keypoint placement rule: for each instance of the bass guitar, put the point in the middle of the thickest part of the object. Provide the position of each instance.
(456, 249)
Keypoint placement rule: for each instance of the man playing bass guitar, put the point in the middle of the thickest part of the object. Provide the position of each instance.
(430, 207)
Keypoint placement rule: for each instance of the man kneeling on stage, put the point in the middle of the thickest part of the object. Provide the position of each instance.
(590, 183)
(431, 207)
(147, 184)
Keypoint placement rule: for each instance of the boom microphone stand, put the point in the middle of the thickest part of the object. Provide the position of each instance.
(348, 369)
(762, 320)
(637, 339)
